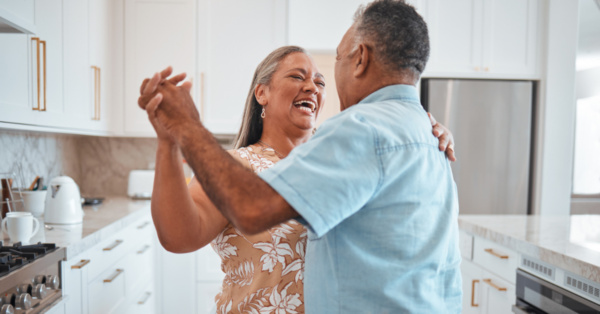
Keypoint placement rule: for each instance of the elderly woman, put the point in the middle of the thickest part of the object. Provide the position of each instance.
(263, 272)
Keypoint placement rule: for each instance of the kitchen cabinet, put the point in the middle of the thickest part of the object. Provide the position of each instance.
(488, 279)
(482, 39)
(17, 16)
(229, 54)
(115, 276)
(158, 33)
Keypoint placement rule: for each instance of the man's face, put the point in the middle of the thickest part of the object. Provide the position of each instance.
(344, 79)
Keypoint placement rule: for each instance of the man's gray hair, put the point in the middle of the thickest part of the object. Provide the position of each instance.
(396, 33)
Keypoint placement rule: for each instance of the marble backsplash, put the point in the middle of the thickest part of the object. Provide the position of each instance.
(100, 165)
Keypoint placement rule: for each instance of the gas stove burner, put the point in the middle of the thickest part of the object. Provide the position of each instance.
(14, 257)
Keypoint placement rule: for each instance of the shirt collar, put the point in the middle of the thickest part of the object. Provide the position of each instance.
(401, 92)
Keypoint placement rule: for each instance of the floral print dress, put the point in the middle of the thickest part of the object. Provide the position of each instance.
(263, 272)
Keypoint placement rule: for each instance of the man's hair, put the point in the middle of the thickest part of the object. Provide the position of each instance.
(396, 33)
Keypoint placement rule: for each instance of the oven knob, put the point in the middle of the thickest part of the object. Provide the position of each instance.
(24, 288)
(52, 282)
(8, 298)
(39, 279)
(39, 291)
(23, 301)
(7, 309)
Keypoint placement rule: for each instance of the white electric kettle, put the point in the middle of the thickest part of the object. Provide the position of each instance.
(63, 202)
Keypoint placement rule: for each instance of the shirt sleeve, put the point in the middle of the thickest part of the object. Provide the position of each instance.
(332, 176)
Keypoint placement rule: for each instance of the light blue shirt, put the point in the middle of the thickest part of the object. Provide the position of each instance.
(381, 208)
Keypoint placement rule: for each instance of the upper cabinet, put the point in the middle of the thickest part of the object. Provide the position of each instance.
(482, 39)
(158, 33)
(228, 55)
(17, 16)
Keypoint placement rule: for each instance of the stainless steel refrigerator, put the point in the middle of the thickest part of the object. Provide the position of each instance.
(492, 125)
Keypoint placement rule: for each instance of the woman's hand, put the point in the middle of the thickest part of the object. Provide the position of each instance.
(444, 136)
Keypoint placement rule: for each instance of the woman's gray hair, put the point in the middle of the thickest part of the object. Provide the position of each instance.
(252, 124)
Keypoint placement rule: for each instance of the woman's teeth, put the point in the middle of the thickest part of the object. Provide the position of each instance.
(305, 104)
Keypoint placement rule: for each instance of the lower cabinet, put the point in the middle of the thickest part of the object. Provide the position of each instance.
(487, 288)
(206, 292)
(116, 276)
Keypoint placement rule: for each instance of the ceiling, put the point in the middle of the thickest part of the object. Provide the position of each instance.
(588, 53)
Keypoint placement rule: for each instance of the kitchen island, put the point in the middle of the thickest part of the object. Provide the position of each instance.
(563, 250)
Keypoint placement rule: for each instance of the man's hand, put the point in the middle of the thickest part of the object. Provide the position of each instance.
(444, 136)
(170, 108)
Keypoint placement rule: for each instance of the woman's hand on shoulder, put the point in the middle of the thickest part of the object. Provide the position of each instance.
(444, 136)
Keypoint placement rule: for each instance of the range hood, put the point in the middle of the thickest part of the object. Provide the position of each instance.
(11, 23)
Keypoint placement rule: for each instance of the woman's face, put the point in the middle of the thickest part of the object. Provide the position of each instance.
(295, 95)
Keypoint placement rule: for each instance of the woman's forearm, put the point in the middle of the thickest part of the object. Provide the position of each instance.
(174, 212)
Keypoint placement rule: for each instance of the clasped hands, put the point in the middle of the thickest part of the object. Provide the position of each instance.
(170, 107)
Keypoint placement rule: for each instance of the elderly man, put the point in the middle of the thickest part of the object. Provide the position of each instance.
(377, 195)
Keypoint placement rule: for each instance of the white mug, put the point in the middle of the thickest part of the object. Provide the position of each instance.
(19, 226)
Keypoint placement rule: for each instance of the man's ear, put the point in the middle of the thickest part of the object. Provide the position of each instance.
(361, 60)
(260, 94)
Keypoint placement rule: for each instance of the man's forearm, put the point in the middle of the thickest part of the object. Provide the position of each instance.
(248, 202)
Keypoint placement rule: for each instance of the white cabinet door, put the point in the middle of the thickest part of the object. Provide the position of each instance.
(104, 34)
(74, 284)
(207, 291)
(158, 33)
(16, 101)
(455, 36)
(47, 75)
(209, 265)
(177, 283)
(471, 286)
(78, 107)
(334, 18)
(229, 54)
(510, 36)
(498, 295)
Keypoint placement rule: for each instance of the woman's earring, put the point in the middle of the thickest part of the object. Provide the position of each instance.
(262, 115)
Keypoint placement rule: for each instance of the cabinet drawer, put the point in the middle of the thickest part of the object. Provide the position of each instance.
(108, 252)
(498, 295)
(140, 262)
(496, 259)
(207, 291)
(143, 300)
(106, 293)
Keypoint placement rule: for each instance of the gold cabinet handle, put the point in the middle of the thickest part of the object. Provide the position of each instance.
(43, 42)
(99, 91)
(96, 93)
(81, 264)
(142, 226)
(114, 245)
(37, 40)
(473, 293)
(487, 69)
(144, 249)
(489, 282)
(116, 274)
(146, 297)
(476, 69)
(496, 254)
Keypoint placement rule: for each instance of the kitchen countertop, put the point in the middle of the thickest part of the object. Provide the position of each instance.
(569, 242)
(99, 223)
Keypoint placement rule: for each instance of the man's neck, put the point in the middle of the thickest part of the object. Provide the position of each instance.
(375, 81)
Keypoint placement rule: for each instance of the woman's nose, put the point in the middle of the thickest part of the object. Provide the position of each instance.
(311, 87)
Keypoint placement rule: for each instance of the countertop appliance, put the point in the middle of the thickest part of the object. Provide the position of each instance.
(140, 184)
(492, 123)
(535, 295)
(30, 277)
(63, 202)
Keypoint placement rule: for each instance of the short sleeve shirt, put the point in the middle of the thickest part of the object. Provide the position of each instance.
(381, 207)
